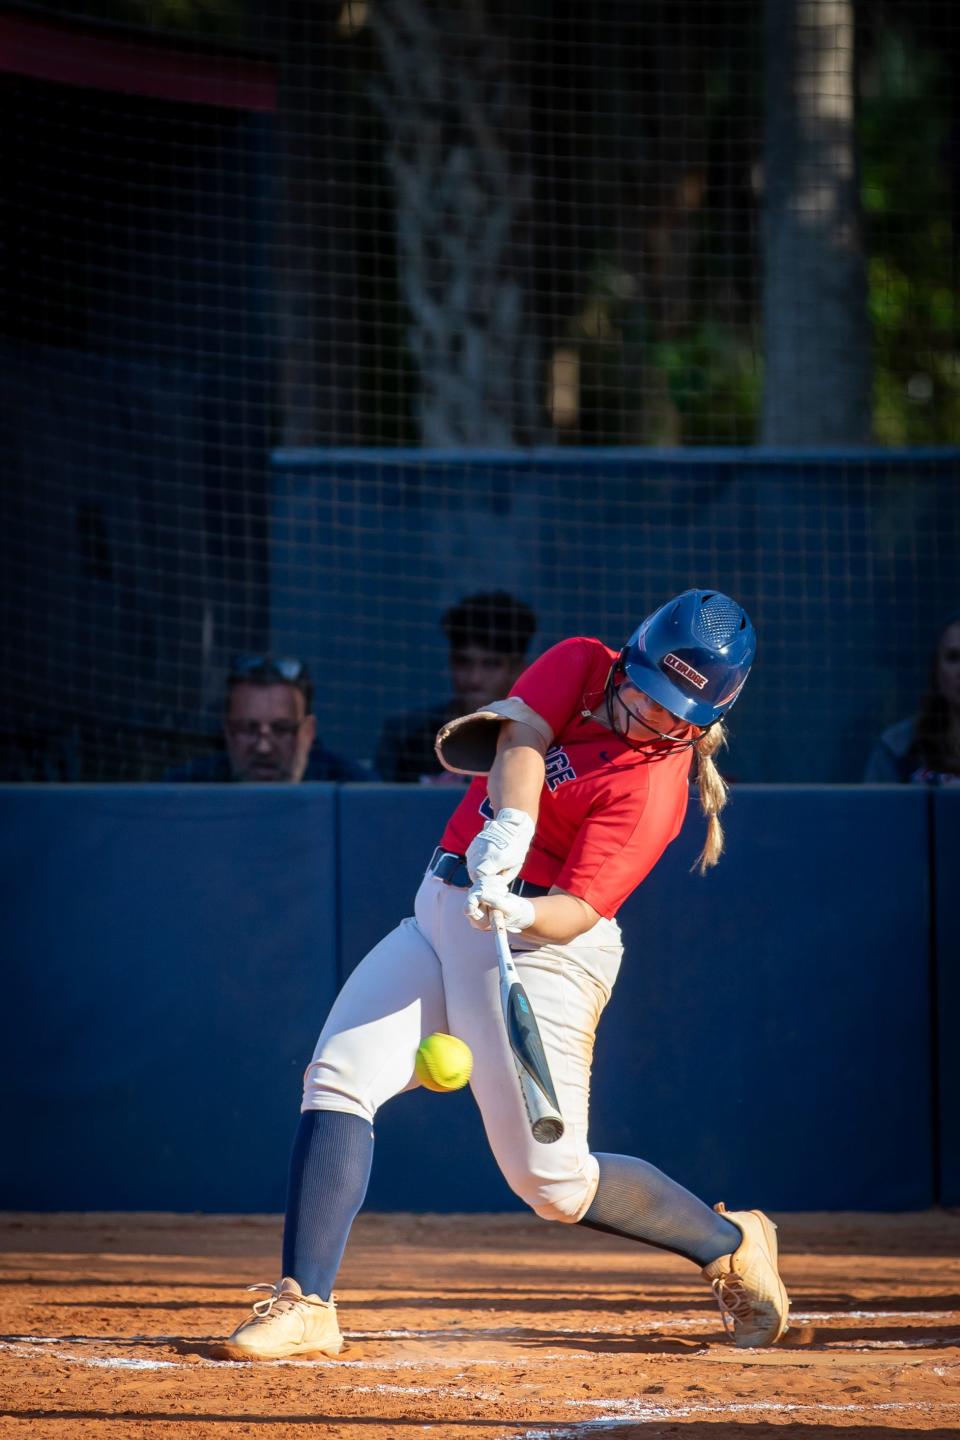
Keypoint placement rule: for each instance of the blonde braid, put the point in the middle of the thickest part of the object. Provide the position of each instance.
(713, 795)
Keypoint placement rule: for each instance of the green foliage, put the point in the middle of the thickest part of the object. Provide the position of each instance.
(914, 308)
(700, 386)
(714, 381)
(701, 383)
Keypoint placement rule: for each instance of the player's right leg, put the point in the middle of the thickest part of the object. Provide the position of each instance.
(365, 1055)
(567, 987)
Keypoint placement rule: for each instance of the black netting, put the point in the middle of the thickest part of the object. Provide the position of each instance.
(318, 318)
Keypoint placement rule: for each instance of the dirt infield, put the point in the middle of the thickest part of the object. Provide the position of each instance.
(474, 1326)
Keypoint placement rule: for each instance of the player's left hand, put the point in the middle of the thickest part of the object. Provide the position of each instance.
(492, 894)
(501, 847)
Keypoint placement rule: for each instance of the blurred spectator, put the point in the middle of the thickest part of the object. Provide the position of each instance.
(925, 750)
(269, 729)
(488, 635)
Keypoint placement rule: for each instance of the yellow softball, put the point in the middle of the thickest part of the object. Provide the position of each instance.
(443, 1062)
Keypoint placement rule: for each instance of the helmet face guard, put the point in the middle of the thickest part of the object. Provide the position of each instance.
(692, 655)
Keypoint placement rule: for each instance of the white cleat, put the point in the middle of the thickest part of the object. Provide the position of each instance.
(752, 1298)
(287, 1324)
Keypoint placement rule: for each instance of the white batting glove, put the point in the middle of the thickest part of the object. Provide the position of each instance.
(501, 847)
(487, 895)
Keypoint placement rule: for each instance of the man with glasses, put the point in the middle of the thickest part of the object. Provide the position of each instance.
(269, 729)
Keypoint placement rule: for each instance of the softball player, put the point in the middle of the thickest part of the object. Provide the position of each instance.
(582, 783)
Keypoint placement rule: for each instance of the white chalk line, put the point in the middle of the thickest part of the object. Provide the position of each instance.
(445, 1392)
(617, 1410)
(94, 1362)
(643, 1413)
(656, 1327)
(735, 1407)
(805, 1316)
(23, 1345)
(638, 1327)
(460, 1363)
(453, 1332)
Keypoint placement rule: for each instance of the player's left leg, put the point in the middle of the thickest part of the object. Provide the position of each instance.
(558, 1181)
(737, 1251)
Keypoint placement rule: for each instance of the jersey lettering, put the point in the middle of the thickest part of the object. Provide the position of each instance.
(559, 768)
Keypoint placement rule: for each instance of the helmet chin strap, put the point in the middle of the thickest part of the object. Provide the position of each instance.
(612, 693)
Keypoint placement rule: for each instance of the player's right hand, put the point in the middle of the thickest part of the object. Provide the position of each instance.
(501, 847)
(487, 895)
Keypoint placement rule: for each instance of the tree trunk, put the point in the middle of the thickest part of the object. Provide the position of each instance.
(817, 366)
(667, 212)
(457, 137)
(316, 315)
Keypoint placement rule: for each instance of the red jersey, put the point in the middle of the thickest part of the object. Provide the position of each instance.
(607, 811)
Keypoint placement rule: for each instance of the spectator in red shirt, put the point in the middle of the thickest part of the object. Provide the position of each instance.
(581, 783)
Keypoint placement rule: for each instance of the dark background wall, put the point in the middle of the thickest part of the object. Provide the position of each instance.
(845, 562)
(152, 332)
(772, 1039)
(137, 374)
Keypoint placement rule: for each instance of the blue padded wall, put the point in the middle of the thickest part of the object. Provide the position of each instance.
(387, 834)
(770, 1029)
(946, 830)
(167, 951)
(747, 1047)
(171, 954)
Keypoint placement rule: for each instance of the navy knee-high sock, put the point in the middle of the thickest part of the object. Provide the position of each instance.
(329, 1173)
(637, 1200)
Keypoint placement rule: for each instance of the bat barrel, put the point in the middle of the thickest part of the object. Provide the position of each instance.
(523, 1035)
(547, 1129)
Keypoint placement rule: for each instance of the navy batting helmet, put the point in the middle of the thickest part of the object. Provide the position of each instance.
(692, 655)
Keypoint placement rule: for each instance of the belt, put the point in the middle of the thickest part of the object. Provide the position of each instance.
(452, 870)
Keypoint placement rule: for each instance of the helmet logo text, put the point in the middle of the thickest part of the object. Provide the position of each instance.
(680, 667)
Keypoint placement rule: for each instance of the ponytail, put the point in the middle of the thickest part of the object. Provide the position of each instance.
(712, 789)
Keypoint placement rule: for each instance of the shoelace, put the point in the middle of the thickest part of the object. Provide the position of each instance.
(264, 1307)
(276, 1300)
(734, 1301)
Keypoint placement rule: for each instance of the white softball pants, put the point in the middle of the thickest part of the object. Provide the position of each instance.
(436, 972)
